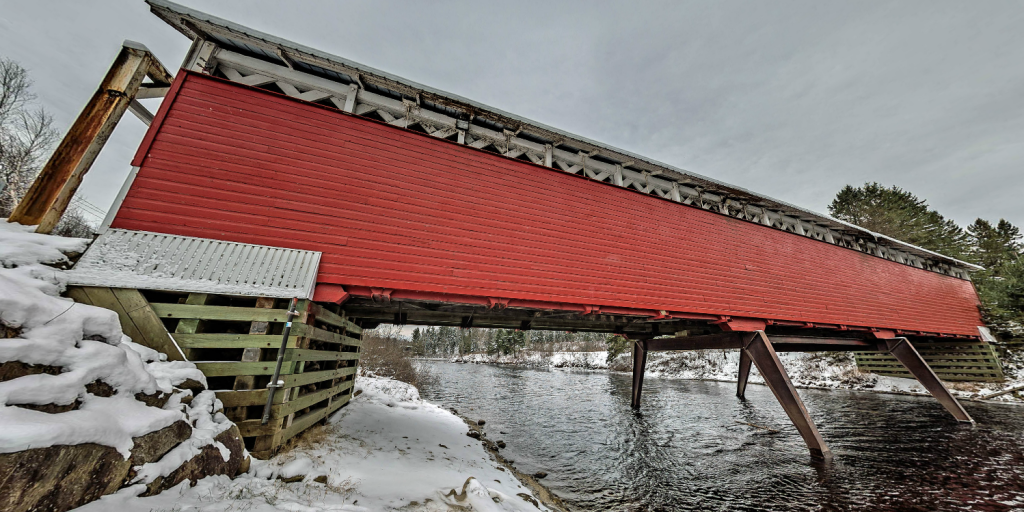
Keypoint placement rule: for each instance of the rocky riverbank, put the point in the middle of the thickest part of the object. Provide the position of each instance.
(386, 450)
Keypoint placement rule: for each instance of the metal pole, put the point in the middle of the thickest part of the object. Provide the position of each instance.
(274, 382)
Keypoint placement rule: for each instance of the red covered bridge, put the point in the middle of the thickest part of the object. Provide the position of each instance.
(433, 209)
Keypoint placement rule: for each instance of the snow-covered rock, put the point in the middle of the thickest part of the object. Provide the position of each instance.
(83, 409)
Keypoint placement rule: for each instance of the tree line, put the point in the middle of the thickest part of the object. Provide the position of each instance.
(996, 246)
(452, 341)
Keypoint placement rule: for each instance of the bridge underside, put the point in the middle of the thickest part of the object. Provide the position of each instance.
(757, 348)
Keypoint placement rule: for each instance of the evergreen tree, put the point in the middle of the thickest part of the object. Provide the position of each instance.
(1001, 285)
(994, 245)
(899, 214)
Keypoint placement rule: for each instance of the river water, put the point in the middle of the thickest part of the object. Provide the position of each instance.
(688, 450)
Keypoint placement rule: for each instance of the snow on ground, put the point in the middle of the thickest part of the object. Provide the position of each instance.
(386, 450)
(85, 342)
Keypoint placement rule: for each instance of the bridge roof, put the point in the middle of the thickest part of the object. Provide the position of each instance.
(735, 201)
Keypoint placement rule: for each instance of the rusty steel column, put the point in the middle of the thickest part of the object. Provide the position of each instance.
(51, 192)
(639, 365)
(741, 382)
(760, 351)
(903, 351)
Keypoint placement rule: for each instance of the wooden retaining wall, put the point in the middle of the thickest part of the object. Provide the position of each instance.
(234, 340)
(951, 361)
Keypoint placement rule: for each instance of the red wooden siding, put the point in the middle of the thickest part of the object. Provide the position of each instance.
(394, 209)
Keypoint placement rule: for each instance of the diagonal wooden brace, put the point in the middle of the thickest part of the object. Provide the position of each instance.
(46, 200)
(760, 351)
(903, 351)
(741, 381)
(639, 366)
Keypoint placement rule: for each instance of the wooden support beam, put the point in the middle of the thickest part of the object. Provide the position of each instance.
(903, 351)
(741, 381)
(191, 325)
(811, 340)
(251, 354)
(724, 340)
(760, 351)
(141, 112)
(639, 366)
(51, 192)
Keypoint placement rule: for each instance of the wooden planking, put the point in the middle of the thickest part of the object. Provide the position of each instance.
(332, 318)
(301, 379)
(315, 333)
(205, 312)
(233, 368)
(950, 361)
(193, 318)
(310, 399)
(217, 340)
(138, 321)
(104, 298)
(717, 265)
(320, 355)
(147, 322)
(312, 417)
(244, 398)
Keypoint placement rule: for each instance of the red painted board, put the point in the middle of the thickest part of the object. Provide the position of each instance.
(400, 210)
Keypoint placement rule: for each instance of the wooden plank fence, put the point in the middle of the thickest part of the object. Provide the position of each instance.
(234, 341)
(951, 361)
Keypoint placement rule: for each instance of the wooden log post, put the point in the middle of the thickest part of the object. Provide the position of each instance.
(192, 325)
(251, 354)
(741, 381)
(270, 443)
(639, 366)
(903, 351)
(760, 351)
(51, 192)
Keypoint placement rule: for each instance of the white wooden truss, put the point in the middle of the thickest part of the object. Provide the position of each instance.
(252, 58)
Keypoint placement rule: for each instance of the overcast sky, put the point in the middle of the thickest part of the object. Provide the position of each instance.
(789, 99)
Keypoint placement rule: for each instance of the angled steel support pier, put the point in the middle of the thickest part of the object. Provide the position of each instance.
(639, 366)
(761, 353)
(741, 381)
(757, 349)
(907, 355)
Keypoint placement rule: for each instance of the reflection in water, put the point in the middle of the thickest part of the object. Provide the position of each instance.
(691, 448)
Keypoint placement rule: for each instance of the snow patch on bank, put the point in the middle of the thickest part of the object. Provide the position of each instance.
(386, 450)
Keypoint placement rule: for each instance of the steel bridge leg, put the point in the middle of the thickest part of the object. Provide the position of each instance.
(912, 360)
(760, 351)
(639, 365)
(741, 382)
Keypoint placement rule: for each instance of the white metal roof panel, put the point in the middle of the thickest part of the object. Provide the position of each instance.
(121, 258)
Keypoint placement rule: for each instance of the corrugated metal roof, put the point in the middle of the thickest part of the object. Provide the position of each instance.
(121, 258)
